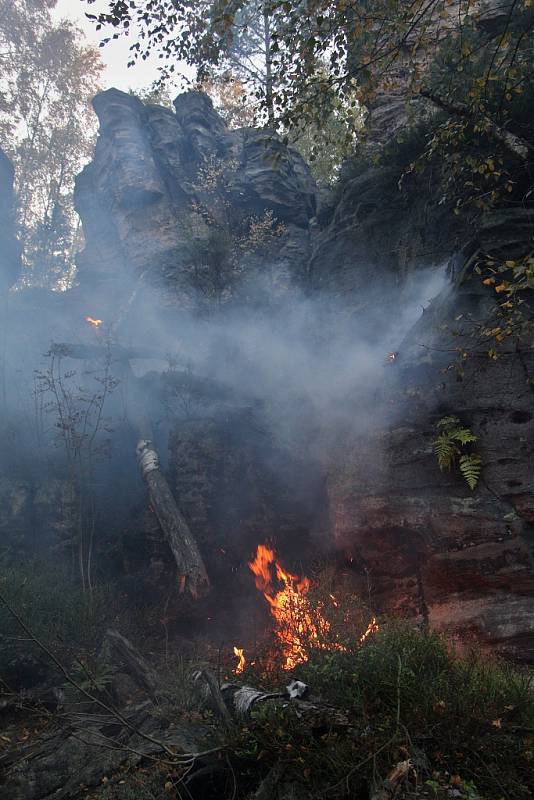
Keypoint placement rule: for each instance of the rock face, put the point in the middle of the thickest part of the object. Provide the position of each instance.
(9, 248)
(152, 163)
(433, 549)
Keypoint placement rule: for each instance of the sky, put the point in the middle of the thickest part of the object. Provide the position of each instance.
(115, 55)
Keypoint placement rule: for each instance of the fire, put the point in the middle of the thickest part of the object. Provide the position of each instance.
(371, 628)
(240, 666)
(96, 323)
(298, 625)
(295, 625)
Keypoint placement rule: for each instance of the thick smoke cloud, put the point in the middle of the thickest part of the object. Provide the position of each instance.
(310, 362)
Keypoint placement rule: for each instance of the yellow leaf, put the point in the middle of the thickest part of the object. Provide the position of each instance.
(489, 281)
(510, 264)
(502, 287)
(497, 723)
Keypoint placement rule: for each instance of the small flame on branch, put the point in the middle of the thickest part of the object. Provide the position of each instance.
(96, 323)
(391, 358)
(240, 666)
(373, 627)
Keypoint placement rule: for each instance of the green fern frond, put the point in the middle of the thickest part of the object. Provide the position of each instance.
(449, 447)
(446, 451)
(447, 422)
(463, 435)
(471, 467)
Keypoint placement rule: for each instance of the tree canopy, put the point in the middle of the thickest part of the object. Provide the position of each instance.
(321, 51)
(47, 128)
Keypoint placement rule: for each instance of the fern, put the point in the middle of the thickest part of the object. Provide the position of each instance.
(448, 422)
(463, 435)
(446, 451)
(471, 467)
(449, 447)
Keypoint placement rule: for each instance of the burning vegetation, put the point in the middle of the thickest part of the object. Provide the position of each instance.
(302, 621)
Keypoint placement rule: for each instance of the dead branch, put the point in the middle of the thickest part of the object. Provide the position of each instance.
(90, 351)
(389, 786)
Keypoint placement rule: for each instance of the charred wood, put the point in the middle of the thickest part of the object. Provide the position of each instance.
(90, 351)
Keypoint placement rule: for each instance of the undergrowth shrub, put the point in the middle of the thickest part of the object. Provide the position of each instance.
(410, 695)
(56, 610)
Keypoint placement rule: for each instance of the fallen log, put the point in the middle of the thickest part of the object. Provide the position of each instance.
(242, 700)
(192, 574)
(96, 351)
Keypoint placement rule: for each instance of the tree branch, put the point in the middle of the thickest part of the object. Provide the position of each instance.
(518, 146)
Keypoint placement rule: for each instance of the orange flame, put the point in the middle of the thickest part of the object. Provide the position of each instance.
(297, 625)
(96, 323)
(373, 627)
(240, 666)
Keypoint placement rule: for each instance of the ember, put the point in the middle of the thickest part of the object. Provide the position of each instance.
(391, 357)
(96, 323)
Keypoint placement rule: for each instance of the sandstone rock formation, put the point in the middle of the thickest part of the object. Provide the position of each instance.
(151, 163)
(431, 548)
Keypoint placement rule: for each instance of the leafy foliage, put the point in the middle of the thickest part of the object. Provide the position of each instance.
(471, 467)
(222, 246)
(449, 446)
(325, 52)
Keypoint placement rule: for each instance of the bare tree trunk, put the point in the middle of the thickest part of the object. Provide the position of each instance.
(192, 575)
(269, 100)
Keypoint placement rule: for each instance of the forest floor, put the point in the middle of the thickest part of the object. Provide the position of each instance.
(395, 714)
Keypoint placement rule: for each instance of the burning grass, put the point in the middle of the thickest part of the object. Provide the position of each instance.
(441, 725)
